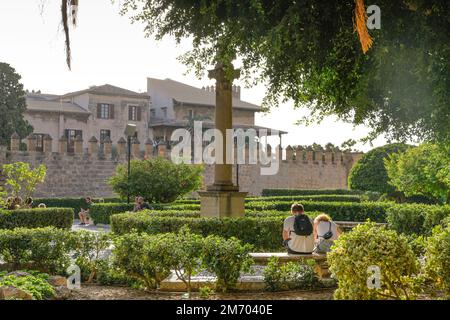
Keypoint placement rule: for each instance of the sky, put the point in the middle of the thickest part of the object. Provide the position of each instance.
(108, 48)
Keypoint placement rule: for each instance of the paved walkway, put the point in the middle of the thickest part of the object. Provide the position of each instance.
(94, 228)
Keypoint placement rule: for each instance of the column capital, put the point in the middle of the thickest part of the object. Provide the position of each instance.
(222, 73)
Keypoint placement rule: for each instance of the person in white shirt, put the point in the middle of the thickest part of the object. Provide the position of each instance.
(298, 231)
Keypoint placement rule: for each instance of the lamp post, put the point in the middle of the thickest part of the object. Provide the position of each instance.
(130, 131)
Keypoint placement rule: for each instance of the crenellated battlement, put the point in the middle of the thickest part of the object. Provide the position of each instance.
(84, 171)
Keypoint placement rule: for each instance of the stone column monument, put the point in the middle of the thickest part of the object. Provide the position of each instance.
(222, 198)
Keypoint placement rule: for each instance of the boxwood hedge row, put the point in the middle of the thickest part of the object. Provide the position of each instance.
(75, 203)
(416, 218)
(263, 233)
(308, 192)
(36, 218)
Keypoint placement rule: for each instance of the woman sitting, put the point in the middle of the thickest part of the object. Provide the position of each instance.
(325, 232)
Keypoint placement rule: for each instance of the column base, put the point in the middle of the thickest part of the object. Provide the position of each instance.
(222, 203)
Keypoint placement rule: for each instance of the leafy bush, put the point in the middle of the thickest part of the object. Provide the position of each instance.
(226, 258)
(21, 180)
(262, 232)
(156, 179)
(423, 170)
(143, 257)
(369, 173)
(43, 249)
(289, 276)
(307, 192)
(36, 218)
(415, 219)
(36, 284)
(437, 257)
(339, 211)
(185, 257)
(368, 245)
(89, 247)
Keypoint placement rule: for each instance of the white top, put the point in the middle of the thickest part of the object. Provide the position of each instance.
(301, 244)
(323, 228)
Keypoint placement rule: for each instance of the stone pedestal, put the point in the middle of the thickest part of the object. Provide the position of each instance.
(222, 204)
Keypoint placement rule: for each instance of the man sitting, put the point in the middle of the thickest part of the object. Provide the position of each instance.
(298, 231)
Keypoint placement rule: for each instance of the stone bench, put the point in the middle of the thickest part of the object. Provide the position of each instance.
(321, 268)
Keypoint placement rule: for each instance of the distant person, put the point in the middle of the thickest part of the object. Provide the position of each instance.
(28, 203)
(141, 205)
(136, 207)
(42, 206)
(84, 213)
(325, 232)
(298, 231)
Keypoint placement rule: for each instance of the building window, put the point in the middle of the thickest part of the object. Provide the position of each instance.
(105, 111)
(104, 134)
(134, 113)
(39, 142)
(191, 114)
(164, 112)
(153, 113)
(71, 135)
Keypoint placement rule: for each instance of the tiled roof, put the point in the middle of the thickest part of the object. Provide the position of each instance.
(107, 89)
(37, 102)
(184, 93)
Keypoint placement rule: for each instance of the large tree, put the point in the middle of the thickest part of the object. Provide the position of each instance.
(307, 51)
(12, 105)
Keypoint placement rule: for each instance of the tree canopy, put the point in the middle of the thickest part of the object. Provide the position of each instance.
(424, 170)
(369, 173)
(307, 51)
(12, 105)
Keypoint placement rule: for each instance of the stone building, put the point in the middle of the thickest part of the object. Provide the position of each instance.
(99, 111)
(175, 105)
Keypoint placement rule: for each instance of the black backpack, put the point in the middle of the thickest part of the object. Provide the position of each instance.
(302, 225)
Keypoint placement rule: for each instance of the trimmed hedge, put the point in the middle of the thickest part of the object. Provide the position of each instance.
(100, 212)
(263, 233)
(417, 219)
(74, 203)
(343, 211)
(320, 197)
(36, 218)
(308, 192)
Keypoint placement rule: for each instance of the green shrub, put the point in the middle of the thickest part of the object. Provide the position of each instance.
(89, 247)
(36, 284)
(320, 197)
(339, 211)
(226, 258)
(185, 256)
(101, 212)
(143, 257)
(75, 203)
(307, 192)
(369, 173)
(289, 276)
(437, 258)
(368, 245)
(43, 249)
(36, 218)
(156, 179)
(264, 233)
(415, 218)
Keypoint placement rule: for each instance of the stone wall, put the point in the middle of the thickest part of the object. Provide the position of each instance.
(85, 172)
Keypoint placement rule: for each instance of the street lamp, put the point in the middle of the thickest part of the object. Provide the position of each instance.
(130, 131)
